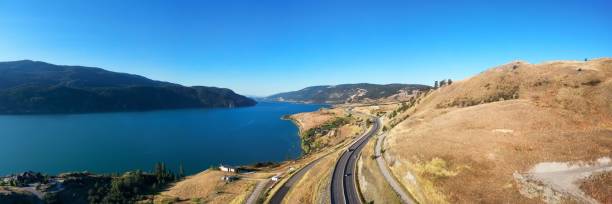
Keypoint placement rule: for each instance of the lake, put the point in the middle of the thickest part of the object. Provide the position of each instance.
(117, 142)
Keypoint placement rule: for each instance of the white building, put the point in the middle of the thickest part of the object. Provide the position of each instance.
(228, 168)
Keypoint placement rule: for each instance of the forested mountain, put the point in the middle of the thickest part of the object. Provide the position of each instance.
(28, 87)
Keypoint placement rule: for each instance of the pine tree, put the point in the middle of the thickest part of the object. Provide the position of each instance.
(449, 82)
(181, 172)
(436, 85)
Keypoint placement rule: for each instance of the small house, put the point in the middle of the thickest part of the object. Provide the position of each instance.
(228, 168)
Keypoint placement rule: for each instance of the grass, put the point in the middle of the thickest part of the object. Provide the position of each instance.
(326, 127)
(436, 169)
(313, 187)
(553, 113)
(207, 187)
(371, 182)
(310, 138)
(241, 198)
(599, 187)
(312, 184)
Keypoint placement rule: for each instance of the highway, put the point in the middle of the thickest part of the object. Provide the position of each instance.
(344, 186)
(278, 197)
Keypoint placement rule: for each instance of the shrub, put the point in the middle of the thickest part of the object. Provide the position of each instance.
(309, 135)
(131, 186)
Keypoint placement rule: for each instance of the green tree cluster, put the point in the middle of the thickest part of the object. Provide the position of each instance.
(309, 136)
(132, 186)
(443, 82)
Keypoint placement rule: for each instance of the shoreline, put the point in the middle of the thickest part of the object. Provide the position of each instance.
(283, 117)
(295, 122)
(299, 134)
(137, 125)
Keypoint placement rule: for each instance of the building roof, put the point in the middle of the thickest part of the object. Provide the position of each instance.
(228, 166)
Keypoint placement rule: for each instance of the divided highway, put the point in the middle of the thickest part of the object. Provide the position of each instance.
(344, 187)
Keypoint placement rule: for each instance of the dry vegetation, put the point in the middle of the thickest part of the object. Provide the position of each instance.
(377, 110)
(599, 187)
(309, 120)
(372, 183)
(327, 127)
(207, 187)
(464, 141)
(313, 187)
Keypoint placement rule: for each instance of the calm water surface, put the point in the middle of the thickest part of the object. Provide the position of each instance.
(116, 142)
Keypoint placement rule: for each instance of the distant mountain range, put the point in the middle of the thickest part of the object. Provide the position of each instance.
(348, 93)
(31, 87)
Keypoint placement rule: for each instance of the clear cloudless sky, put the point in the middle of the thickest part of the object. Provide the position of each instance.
(262, 47)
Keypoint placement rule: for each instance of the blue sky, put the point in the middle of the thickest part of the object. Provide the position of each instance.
(264, 47)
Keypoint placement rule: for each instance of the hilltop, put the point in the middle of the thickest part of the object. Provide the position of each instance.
(29, 87)
(350, 93)
(496, 137)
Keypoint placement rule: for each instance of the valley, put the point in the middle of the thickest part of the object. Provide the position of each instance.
(506, 135)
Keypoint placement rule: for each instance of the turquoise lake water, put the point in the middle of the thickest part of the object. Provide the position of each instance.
(116, 142)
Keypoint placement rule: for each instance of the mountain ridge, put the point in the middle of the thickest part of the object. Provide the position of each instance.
(348, 93)
(34, 87)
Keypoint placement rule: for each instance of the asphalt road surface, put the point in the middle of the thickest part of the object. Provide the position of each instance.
(344, 188)
(278, 197)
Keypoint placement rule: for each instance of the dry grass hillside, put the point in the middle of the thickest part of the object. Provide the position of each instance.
(327, 127)
(207, 187)
(466, 142)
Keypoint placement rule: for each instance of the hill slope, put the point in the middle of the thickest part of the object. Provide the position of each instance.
(348, 93)
(37, 87)
(484, 139)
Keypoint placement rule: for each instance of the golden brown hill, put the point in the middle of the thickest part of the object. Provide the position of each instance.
(466, 142)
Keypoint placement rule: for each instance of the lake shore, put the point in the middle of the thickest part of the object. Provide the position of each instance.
(261, 170)
(194, 137)
(274, 175)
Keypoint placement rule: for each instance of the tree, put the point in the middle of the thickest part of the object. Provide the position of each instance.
(436, 85)
(181, 172)
(442, 83)
(50, 198)
(449, 82)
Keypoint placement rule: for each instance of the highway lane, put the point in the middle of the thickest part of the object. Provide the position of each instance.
(344, 187)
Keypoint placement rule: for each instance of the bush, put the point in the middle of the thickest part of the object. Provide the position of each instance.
(309, 136)
(264, 164)
(50, 198)
(393, 114)
(131, 186)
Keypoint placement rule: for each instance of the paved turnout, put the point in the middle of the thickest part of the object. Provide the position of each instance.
(344, 186)
(382, 165)
(254, 197)
(278, 197)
